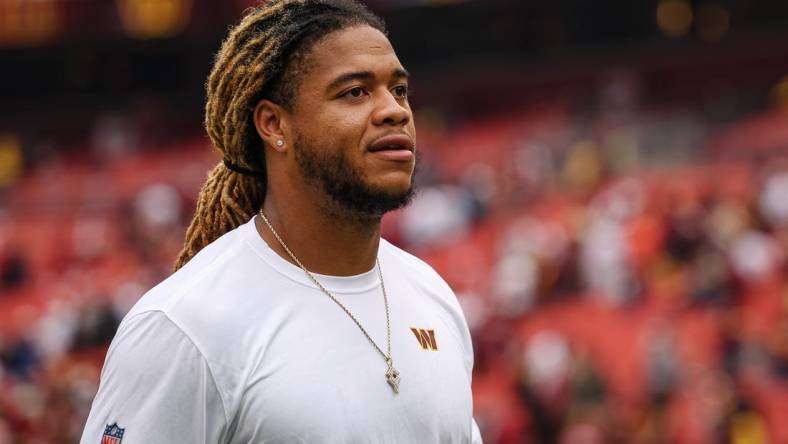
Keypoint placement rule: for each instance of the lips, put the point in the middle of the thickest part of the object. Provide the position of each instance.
(393, 142)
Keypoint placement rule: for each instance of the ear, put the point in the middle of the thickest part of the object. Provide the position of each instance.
(271, 121)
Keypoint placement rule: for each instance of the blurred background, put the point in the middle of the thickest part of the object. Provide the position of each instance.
(604, 184)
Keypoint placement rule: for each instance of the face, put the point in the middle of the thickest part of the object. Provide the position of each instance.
(352, 126)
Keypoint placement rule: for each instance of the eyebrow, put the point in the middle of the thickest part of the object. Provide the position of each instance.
(399, 73)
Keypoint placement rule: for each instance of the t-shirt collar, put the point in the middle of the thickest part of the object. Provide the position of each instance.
(335, 284)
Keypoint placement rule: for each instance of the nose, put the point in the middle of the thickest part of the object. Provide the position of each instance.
(391, 111)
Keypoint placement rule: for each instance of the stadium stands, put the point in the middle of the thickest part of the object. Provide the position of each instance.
(635, 306)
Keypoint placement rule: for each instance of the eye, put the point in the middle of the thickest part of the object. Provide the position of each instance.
(355, 92)
(400, 91)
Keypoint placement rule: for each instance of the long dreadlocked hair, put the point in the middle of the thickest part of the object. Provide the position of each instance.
(262, 58)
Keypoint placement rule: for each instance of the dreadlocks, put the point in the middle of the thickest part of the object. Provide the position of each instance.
(262, 58)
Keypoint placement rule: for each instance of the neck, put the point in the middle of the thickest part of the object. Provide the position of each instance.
(324, 241)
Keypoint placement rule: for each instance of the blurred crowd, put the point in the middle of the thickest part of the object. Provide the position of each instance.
(643, 304)
(623, 283)
(654, 309)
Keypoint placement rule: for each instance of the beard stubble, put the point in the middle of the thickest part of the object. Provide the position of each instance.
(344, 185)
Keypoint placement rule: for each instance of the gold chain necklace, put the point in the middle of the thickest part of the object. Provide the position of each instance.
(392, 375)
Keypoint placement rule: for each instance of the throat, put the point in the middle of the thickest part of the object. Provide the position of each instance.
(337, 247)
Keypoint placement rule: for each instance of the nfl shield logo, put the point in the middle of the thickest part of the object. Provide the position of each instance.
(112, 434)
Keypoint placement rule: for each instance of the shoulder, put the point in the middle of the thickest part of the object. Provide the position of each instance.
(212, 302)
(156, 383)
(429, 285)
(209, 291)
(433, 291)
(146, 347)
(407, 262)
(190, 280)
(398, 263)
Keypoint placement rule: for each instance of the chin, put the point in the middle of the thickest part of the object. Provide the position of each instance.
(393, 186)
(371, 202)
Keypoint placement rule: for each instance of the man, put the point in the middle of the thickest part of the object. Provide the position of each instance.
(288, 318)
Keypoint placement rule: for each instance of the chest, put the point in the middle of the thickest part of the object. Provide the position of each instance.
(320, 379)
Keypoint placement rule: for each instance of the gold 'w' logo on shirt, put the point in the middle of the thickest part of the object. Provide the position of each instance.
(426, 338)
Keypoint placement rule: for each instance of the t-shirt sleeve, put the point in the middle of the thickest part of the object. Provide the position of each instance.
(464, 336)
(476, 435)
(156, 387)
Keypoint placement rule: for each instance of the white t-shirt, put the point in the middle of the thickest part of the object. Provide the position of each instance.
(239, 346)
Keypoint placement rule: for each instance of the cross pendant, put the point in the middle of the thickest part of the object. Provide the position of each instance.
(392, 377)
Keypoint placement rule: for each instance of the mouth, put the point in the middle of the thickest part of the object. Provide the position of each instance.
(394, 142)
(393, 147)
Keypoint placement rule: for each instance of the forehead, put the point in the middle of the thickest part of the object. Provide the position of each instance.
(356, 48)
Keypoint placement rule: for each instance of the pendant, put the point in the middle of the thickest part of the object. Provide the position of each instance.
(392, 377)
